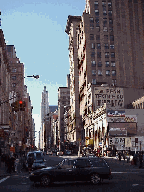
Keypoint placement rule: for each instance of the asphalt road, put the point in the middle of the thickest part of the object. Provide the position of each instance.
(126, 178)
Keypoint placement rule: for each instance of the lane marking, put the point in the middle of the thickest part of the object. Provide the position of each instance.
(4, 179)
(124, 172)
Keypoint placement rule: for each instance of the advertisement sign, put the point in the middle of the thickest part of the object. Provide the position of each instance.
(127, 142)
(131, 128)
(112, 96)
(127, 118)
(116, 113)
(118, 132)
(117, 141)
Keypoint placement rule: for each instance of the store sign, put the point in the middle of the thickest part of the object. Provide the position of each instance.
(112, 96)
(126, 118)
(117, 141)
(115, 113)
(118, 132)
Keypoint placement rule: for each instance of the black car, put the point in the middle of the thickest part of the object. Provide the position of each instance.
(92, 169)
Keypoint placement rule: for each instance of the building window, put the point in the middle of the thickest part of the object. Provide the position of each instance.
(105, 21)
(13, 84)
(99, 72)
(107, 63)
(105, 29)
(106, 55)
(93, 72)
(109, 4)
(108, 72)
(14, 69)
(91, 36)
(91, 25)
(111, 29)
(93, 54)
(93, 63)
(106, 46)
(97, 29)
(91, 20)
(96, 2)
(93, 46)
(103, 4)
(113, 82)
(113, 55)
(113, 63)
(99, 64)
(111, 37)
(94, 81)
(110, 21)
(110, 13)
(111, 46)
(104, 13)
(98, 46)
(99, 54)
(97, 21)
(98, 37)
(114, 73)
(97, 12)
(13, 77)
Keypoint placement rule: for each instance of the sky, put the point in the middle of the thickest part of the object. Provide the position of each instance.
(37, 30)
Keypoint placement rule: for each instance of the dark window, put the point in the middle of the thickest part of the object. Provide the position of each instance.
(110, 13)
(98, 163)
(82, 163)
(98, 37)
(109, 4)
(103, 3)
(105, 37)
(99, 54)
(110, 21)
(99, 72)
(94, 81)
(97, 29)
(97, 21)
(99, 64)
(111, 37)
(105, 22)
(113, 55)
(91, 36)
(96, 4)
(111, 46)
(98, 46)
(91, 25)
(93, 72)
(106, 46)
(93, 54)
(13, 77)
(104, 13)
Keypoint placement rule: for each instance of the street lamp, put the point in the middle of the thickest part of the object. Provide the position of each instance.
(35, 76)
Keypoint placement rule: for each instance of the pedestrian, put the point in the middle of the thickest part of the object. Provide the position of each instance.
(124, 156)
(12, 163)
(140, 160)
(119, 156)
(8, 163)
(135, 159)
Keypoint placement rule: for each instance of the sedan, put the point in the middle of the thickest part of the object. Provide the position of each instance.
(78, 169)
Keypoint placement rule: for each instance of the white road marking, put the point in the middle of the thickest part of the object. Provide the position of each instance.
(134, 185)
(4, 179)
(124, 172)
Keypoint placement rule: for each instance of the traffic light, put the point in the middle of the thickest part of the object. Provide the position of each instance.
(22, 105)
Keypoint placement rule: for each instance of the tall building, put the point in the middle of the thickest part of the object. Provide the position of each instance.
(108, 41)
(44, 112)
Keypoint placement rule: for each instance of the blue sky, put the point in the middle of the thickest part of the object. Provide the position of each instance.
(37, 30)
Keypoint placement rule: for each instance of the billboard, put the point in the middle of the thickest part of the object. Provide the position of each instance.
(115, 113)
(112, 96)
(111, 117)
(115, 128)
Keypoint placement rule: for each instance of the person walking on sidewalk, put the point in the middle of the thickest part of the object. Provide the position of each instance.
(119, 156)
(140, 160)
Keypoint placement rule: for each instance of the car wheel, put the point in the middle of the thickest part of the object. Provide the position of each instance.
(95, 178)
(45, 180)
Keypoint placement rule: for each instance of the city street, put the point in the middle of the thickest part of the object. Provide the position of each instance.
(126, 177)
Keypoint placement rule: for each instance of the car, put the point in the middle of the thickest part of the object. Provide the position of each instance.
(68, 152)
(59, 153)
(49, 152)
(39, 161)
(93, 169)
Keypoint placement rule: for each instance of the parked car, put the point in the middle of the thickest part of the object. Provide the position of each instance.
(91, 169)
(68, 152)
(59, 153)
(49, 152)
(39, 161)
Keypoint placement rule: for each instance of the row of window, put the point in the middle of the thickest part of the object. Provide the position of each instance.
(107, 63)
(106, 54)
(107, 72)
(104, 13)
(98, 37)
(113, 81)
(104, 21)
(99, 46)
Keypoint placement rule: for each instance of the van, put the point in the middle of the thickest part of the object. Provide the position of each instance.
(38, 157)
